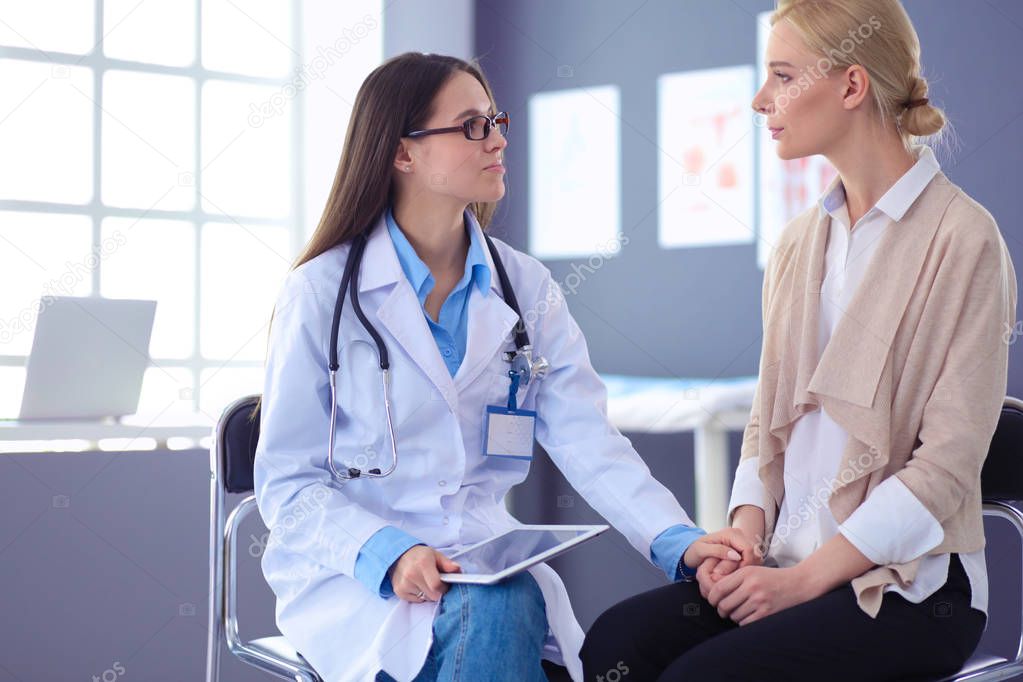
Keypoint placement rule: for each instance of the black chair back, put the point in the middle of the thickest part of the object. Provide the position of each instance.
(1002, 476)
(241, 433)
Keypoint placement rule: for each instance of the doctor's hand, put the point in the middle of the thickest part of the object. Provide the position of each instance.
(725, 544)
(417, 571)
(713, 570)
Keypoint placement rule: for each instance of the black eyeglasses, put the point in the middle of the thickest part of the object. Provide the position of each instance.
(475, 128)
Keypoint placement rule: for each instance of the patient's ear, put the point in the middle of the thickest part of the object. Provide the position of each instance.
(855, 86)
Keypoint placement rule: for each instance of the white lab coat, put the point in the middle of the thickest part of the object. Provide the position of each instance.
(444, 491)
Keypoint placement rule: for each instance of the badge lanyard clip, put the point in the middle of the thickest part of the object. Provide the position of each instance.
(513, 389)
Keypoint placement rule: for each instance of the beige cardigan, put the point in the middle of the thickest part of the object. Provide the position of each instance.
(915, 371)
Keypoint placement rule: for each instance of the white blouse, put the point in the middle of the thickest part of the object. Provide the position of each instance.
(892, 525)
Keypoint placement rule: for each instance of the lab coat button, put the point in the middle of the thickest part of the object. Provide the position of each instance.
(445, 520)
(442, 483)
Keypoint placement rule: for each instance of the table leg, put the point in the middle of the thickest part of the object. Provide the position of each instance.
(711, 474)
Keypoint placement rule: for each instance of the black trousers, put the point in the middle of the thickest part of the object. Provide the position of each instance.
(673, 633)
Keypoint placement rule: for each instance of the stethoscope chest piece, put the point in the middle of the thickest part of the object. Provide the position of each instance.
(523, 364)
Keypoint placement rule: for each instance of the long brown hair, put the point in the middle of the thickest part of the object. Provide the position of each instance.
(396, 97)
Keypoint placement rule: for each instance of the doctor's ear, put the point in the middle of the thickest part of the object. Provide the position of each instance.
(403, 160)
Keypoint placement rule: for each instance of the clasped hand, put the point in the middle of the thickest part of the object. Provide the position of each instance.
(745, 590)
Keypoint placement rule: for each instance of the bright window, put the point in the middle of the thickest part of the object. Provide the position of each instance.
(172, 150)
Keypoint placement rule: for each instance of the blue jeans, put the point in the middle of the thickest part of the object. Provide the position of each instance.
(487, 632)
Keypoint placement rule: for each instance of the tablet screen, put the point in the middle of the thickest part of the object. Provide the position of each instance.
(512, 548)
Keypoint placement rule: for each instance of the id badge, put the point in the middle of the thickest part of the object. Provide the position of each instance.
(508, 431)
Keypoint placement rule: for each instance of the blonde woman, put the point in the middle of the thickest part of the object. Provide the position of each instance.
(882, 374)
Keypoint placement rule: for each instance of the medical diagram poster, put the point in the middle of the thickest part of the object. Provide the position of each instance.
(705, 161)
(574, 176)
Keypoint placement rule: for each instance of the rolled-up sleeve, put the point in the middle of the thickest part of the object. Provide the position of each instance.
(668, 548)
(378, 554)
(892, 526)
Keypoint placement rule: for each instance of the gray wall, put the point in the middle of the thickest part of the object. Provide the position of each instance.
(439, 26)
(696, 312)
(103, 563)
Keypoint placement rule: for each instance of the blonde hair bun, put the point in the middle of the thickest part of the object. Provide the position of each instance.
(923, 120)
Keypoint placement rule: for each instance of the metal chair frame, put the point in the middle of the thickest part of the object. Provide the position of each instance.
(270, 654)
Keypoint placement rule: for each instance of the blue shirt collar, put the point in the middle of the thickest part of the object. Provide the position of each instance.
(476, 267)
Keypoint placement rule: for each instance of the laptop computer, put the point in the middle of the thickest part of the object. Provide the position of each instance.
(88, 357)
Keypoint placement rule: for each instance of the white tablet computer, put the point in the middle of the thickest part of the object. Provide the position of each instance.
(515, 550)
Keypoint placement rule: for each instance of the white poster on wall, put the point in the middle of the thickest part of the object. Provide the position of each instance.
(787, 188)
(705, 168)
(574, 176)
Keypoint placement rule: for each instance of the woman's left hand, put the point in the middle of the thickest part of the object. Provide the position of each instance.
(752, 592)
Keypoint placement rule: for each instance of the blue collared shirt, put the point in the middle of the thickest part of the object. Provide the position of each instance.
(449, 331)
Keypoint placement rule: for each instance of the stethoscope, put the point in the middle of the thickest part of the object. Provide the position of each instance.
(523, 366)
